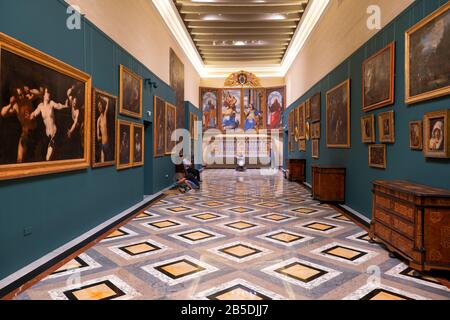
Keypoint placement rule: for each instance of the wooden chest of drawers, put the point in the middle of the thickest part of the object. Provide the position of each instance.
(328, 183)
(296, 170)
(414, 221)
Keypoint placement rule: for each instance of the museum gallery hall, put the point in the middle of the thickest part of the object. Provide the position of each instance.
(224, 150)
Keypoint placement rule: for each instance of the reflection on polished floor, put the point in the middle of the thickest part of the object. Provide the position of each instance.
(243, 236)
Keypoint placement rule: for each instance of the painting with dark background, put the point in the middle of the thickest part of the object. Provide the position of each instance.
(138, 144)
(159, 127)
(124, 146)
(338, 116)
(209, 103)
(315, 107)
(24, 136)
(131, 93)
(177, 83)
(171, 120)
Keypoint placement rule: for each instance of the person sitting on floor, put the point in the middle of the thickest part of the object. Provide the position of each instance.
(190, 169)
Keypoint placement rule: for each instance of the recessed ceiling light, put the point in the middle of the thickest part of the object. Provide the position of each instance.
(239, 43)
(276, 16)
(211, 17)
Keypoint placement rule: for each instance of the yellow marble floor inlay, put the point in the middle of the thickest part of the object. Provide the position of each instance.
(197, 235)
(143, 215)
(164, 224)
(320, 226)
(305, 210)
(238, 294)
(98, 292)
(285, 237)
(343, 218)
(207, 216)
(300, 271)
(344, 252)
(276, 217)
(72, 264)
(240, 225)
(239, 251)
(384, 295)
(116, 233)
(178, 209)
(181, 268)
(140, 248)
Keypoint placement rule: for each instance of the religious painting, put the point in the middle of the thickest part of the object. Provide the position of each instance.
(301, 122)
(124, 140)
(275, 106)
(307, 131)
(338, 116)
(296, 129)
(130, 93)
(193, 129)
(231, 109)
(209, 103)
(377, 156)
(314, 103)
(428, 57)
(138, 145)
(177, 84)
(104, 108)
(416, 135)
(368, 129)
(378, 79)
(159, 127)
(436, 129)
(171, 126)
(44, 113)
(315, 130)
(291, 131)
(308, 109)
(386, 128)
(253, 109)
(315, 146)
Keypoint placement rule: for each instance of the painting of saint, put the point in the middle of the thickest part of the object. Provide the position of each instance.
(171, 126)
(231, 109)
(177, 84)
(338, 116)
(275, 107)
(209, 108)
(368, 129)
(253, 111)
(314, 103)
(159, 123)
(130, 93)
(138, 145)
(124, 144)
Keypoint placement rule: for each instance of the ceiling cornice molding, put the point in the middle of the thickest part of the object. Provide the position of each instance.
(171, 17)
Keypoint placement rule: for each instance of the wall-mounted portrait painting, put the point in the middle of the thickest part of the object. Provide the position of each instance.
(301, 122)
(130, 93)
(177, 84)
(275, 106)
(254, 109)
(368, 129)
(338, 116)
(124, 148)
(231, 109)
(171, 126)
(416, 135)
(159, 127)
(315, 130)
(308, 109)
(44, 113)
(427, 57)
(104, 109)
(137, 151)
(315, 148)
(296, 127)
(386, 127)
(436, 133)
(301, 145)
(377, 156)
(314, 103)
(209, 100)
(291, 130)
(378, 79)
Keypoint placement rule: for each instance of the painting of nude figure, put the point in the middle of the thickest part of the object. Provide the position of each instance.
(104, 108)
(44, 113)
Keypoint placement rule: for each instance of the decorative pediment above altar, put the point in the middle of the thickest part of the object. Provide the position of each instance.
(242, 79)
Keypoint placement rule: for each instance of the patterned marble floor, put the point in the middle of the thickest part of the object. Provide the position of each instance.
(243, 236)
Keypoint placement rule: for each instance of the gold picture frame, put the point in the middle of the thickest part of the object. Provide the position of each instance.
(346, 143)
(170, 127)
(159, 125)
(301, 121)
(386, 127)
(123, 109)
(436, 134)
(416, 135)
(124, 141)
(315, 148)
(377, 156)
(135, 152)
(368, 129)
(315, 130)
(43, 60)
(410, 70)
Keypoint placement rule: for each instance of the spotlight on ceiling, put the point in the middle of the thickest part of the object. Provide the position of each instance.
(276, 16)
(239, 43)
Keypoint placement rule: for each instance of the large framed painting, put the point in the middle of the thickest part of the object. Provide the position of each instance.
(275, 103)
(378, 79)
(171, 126)
(137, 151)
(377, 156)
(436, 127)
(254, 113)
(301, 122)
(104, 112)
(177, 84)
(209, 101)
(416, 135)
(130, 93)
(124, 141)
(338, 116)
(44, 113)
(159, 127)
(386, 127)
(427, 57)
(368, 129)
(314, 103)
(231, 109)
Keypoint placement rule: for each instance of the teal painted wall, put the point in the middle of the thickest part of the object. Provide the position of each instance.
(402, 163)
(61, 207)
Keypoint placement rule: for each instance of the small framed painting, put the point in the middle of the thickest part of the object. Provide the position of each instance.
(416, 135)
(130, 93)
(314, 103)
(159, 123)
(137, 145)
(308, 109)
(315, 130)
(436, 134)
(124, 132)
(377, 156)
(368, 129)
(171, 126)
(386, 127)
(301, 145)
(315, 146)
(301, 122)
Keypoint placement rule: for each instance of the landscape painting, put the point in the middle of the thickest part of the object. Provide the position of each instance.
(159, 123)
(44, 113)
(171, 126)
(428, 57)
(130, 93)
(338, 116)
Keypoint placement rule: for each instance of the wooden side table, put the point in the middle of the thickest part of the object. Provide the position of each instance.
(328, 183)
(296, 170)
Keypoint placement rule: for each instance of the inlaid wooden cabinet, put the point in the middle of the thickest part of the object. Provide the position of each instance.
(296, 170)
(328, 183)
(414, 221)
